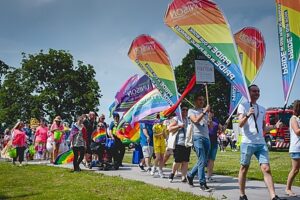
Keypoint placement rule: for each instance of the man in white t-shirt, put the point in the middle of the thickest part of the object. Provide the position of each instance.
(252, 123)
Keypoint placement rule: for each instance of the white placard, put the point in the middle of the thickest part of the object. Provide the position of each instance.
(204, 72)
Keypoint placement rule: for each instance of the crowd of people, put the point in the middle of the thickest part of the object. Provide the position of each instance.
(196, 129)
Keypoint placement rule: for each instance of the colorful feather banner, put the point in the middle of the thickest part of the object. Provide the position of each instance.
(202, 25)
(154, 61)
(288, 17)
(252, 51)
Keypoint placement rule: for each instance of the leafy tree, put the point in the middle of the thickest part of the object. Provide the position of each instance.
(219, 93)
(48, 84)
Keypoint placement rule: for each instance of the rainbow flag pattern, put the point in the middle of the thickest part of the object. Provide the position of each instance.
(252, 51)
(202, 25)
(129, 134)
(154, 61)
(65, 157)
(151, 103)
(99, 135)
(288, 18)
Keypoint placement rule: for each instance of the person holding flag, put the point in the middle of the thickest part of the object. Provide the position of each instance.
(252, 123)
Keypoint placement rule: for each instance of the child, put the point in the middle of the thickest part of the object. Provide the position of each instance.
(159, 136)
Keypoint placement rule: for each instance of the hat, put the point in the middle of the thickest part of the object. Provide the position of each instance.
(57, 118)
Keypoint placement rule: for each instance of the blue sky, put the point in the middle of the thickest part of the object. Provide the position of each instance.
(100, 33)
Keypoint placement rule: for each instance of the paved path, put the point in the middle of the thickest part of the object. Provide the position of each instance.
(225, 188)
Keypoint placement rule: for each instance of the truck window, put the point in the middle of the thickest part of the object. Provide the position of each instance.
(285, 118)
(272, 119)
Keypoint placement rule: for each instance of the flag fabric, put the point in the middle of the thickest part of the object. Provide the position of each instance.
(65, 157)
(188, 88)
(288, 17)
(202, 25)
(150, 104)
(129, 134)
(154, 61)
(252, 51)
(99, 135)
(131, 91)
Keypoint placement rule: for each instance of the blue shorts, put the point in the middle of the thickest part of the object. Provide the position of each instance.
(260, 151)
(295, 155)
(213, 151)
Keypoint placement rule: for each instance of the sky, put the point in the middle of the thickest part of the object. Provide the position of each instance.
(100, 32)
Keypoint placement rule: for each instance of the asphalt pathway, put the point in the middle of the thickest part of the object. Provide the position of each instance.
(225, 187)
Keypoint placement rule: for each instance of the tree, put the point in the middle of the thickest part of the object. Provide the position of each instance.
(48, 84)
(219, 93)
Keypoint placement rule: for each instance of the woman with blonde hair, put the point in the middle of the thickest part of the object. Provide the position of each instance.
(57, 130)
(19, 141)
(294, 147)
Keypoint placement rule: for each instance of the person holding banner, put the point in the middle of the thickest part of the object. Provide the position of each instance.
(57, 130)
(146, 141)
(252, 123)
(201, 142)
(294, 147)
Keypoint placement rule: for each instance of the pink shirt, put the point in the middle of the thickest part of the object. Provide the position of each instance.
(19, 138)
(41, 134)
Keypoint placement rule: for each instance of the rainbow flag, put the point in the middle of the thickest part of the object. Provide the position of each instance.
(151, 103)
(99, 135)
(252, 50)
(202, 25)
(288, 19)
(131, 91)
(154, 61)
(130, 134)
(65, 157)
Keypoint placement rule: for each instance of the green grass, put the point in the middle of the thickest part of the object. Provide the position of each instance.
(44, 182)
(228, 163)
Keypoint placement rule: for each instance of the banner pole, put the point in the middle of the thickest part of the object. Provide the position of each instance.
(206, 91)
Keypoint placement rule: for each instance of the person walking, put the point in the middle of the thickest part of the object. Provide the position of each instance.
(294, 147)
(181, 152)
(19, 142)
(78, 140)
(41, 139)
(146, 141)
(57, 130)
(200, 123)
(252, 122)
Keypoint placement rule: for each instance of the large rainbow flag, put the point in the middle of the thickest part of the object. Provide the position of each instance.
(99, 135)
(130, 134)
(150, 104)
(252, 52)
(288, 21)
(131, 91)
(202, 25)
(154, 61)
(65, 157)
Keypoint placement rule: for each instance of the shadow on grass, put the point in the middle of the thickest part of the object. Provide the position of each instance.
(20, 196)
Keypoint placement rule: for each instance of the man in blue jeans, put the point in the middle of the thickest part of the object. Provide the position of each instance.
(200, 122)
(252, 123)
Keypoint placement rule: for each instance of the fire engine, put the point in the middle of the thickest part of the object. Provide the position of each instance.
(278, 138)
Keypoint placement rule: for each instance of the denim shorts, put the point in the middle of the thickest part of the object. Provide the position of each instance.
(260, 151)
(213, 151)
(295, 155)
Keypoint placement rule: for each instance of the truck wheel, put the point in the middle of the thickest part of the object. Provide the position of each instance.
(269, 144)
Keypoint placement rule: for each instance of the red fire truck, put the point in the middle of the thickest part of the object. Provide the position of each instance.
(278, 138)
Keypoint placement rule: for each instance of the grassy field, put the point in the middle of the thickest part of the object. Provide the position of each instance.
(43, 182)
(228, 163)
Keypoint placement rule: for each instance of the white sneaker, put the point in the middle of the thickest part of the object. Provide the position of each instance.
(161, 174)
(153, 170)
